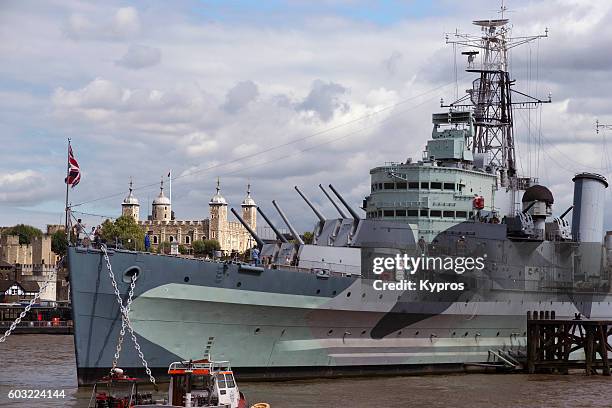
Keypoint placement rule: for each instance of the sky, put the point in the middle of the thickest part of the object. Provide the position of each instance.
(275, 94)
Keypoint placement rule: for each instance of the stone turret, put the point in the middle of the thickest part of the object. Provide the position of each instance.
(130, 206)
(162, 207)
(249, 210)
(218, 216)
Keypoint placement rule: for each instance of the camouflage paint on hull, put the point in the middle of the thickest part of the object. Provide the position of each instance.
(290, 324)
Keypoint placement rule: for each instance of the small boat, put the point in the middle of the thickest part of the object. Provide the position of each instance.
(118, 390)
(200, 383)
(204, 383)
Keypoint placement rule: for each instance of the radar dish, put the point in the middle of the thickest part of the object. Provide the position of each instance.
(490, 23)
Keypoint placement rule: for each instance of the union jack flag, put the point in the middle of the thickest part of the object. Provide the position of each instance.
(74, 172)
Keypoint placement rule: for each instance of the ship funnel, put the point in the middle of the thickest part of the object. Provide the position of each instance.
(311, 205)
(589, 205)
(260, 243)
(342, 214)
(343, 201)
(276, 231)
(296, 236)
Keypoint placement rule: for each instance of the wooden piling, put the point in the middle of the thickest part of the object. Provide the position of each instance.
(551, 341)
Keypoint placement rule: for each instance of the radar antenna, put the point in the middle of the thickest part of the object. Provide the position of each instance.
(490, 97)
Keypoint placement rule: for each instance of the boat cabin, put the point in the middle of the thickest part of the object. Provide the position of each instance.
(205, 383)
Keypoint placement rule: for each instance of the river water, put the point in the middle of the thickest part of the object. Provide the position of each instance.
(46, 362)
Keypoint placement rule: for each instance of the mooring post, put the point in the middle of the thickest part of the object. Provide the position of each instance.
(588, 349)
(603, 348)
(531, 342)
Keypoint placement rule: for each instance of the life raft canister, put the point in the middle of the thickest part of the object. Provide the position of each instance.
(478, 202)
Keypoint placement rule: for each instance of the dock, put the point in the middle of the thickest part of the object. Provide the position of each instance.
(551, 342)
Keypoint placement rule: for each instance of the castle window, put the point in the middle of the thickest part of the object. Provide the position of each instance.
(171, 238)
(155, 239)
(188, 239)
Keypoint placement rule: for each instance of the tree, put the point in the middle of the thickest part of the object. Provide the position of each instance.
(59, 242)
(205, 247)
(125, 230)
(25, 233)
(307, 237)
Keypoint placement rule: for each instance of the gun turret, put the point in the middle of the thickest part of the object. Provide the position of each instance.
(311, 205)
(296, 236)
(342, 214)
(276, 231)
(343, 201)
(260, 243)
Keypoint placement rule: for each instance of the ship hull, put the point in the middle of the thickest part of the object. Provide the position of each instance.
(281, 324)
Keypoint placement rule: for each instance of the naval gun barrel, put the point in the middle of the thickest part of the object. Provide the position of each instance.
(296, 236)
(311, 205)
(343, 201)
(260, 243)
(276, 231)
(566, 212)
(342, 214)
(526, 210)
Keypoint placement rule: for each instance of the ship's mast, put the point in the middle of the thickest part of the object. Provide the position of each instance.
(490, 97)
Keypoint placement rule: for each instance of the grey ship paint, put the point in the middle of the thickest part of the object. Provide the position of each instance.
(316, 312)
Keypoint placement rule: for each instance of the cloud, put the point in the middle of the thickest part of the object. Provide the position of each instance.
(124, 23)
(233, 85)
(324, 99)
(22, 187)
(140, 56)
(238, 97)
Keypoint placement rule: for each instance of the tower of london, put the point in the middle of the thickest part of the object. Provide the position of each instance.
(163, 227)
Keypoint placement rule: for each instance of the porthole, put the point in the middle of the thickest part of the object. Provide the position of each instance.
(497, 334)
(257, 330)
(348, 294)
(334, 293)
(380, 296)
(239, 284)
(363, 332)
(318, 291)
(466, 334)
(129, 272)
(363, 295)
(399, 333)
(330, 332)
(416, 334)
(186, 279)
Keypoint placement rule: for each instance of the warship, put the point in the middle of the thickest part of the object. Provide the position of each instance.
(315, 309)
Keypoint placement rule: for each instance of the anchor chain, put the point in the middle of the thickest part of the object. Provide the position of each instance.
(27, 308)
(125, 318)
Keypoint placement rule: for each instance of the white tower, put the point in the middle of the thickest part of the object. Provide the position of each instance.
(218, 217)
(130, 206)
(249, 210)
(162, 208)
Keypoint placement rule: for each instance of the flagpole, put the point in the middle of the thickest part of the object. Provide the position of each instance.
(67, 185)
(170, 186)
